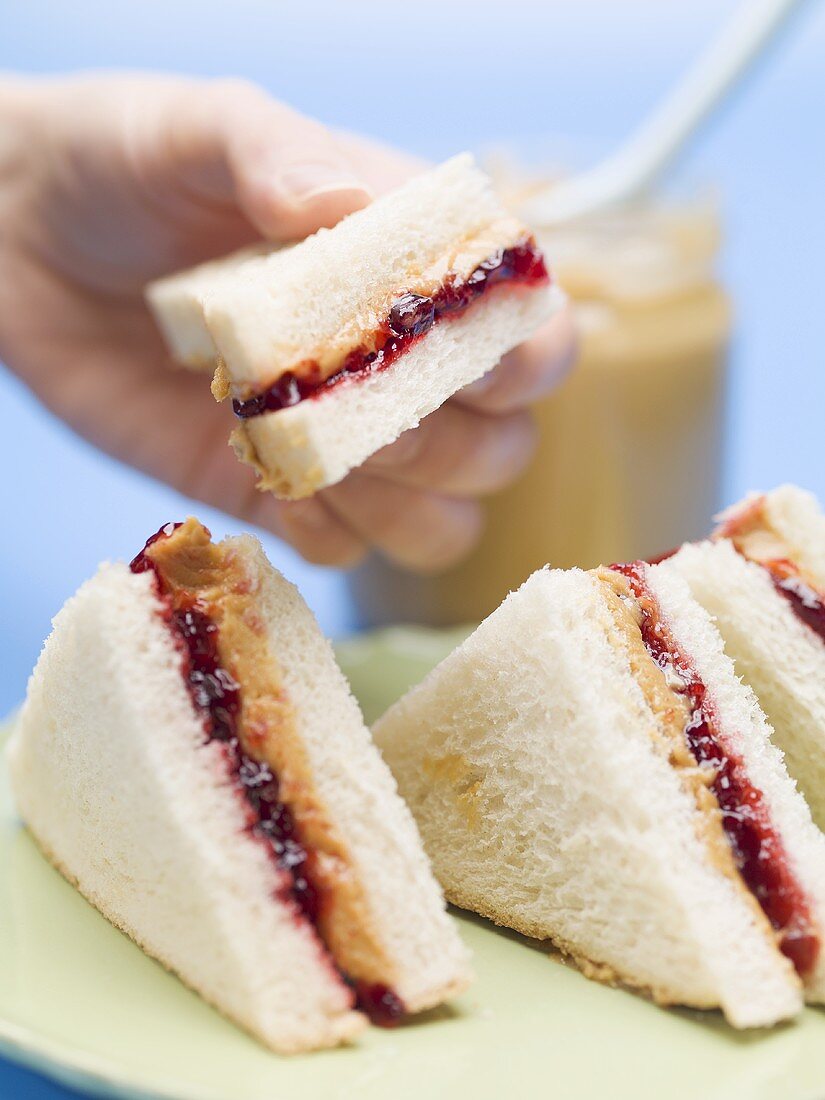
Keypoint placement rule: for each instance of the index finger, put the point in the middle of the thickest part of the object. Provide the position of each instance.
(382, 166)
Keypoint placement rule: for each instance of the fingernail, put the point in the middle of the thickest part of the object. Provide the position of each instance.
(301, 183)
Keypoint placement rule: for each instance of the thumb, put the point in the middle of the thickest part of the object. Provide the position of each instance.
(289, 173)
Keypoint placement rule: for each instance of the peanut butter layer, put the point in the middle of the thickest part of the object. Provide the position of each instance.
(219, 581)
(752, 532)
(363, 331)
(672, 713)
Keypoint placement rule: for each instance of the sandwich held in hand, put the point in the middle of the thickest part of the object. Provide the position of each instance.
(588, 767)
(332, 348)
(190, 756)
(763, 579)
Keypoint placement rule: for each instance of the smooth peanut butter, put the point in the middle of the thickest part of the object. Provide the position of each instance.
(220, 581)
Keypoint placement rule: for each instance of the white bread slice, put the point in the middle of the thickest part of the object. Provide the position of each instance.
(335, 289)
(112, 775)
(530, 759)
(748, 731)
(176, 303)
(301, 449)
(781, 658)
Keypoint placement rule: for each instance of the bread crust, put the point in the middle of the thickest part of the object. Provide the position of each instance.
(591, 968)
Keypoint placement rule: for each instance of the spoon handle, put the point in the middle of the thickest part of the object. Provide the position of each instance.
(661, 137)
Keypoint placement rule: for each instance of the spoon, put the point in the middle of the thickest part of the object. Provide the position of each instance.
(651, 149)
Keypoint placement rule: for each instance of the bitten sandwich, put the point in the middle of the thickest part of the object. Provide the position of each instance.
(587, 767)
(763, 579)
(190, 756)
(331, 349)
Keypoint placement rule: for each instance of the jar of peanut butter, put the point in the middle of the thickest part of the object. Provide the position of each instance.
(629, 459)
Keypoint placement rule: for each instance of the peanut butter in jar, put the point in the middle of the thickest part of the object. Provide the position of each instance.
(629, 457)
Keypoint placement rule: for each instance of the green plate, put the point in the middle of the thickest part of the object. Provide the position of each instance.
(81, 1003)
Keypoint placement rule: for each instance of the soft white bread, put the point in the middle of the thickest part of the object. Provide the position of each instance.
(176, 303)
(547, 802)
(299, 450)
(749, 734)
(781, 658)
(162, 845)
(335, 290)
(111, 774)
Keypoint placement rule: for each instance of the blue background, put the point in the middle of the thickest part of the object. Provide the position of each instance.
(438, 77)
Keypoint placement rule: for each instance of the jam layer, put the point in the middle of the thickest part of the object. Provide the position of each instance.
(806, 602)
(411, 316)
(757, 848)
(216, 697)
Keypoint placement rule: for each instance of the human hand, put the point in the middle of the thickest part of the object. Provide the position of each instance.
(107, 182)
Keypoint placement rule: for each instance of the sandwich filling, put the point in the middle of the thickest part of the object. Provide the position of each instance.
(754, 536)
(756, 846)
(207, 599)
(438, 297)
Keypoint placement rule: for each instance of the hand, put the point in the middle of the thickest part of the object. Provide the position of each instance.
(106, 183)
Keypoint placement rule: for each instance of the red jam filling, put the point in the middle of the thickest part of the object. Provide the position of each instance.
(215, 695)
(379, 1003)
(411, 316)
(806, 603)
(757, 848)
